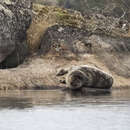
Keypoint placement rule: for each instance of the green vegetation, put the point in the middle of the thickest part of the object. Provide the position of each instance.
(112, 7)
(59, 15)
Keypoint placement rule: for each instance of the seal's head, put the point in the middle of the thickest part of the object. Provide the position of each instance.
(75, 79)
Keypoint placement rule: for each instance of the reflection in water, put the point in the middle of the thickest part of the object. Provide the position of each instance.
(15, 102)
(30, 99)
(88, 92)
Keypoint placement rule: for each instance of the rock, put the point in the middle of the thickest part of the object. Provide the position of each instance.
(66, 41)
(96, 40)
(47, 2)
(7, 32)
(89, 77)
(50, 19)
(114, 52)
(117, 12)
(15, 18)
(17, 56)
(62, 81)
(61, 72)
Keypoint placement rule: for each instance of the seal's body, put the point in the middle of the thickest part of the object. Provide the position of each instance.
(86, 76)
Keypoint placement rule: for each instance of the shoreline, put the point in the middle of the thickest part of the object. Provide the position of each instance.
(39, 73)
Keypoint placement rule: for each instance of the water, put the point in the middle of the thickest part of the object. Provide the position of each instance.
(58, 110)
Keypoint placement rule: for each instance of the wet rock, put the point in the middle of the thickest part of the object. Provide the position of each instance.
(15, 18)
(89, 77)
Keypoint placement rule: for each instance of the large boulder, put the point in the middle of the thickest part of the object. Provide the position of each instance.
(7, 32)
(114, 52)
(64, 40)
(15, 18)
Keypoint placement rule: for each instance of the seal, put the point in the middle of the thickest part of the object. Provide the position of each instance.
(89, 77)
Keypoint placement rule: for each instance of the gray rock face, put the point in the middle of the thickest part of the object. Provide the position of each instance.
(15, 18)
(89, 77)
(64, 40)
(113, 51)
(7, 32)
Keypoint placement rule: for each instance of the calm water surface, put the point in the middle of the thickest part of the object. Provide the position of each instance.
(58, 110)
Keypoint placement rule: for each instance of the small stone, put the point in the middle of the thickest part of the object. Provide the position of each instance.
(60, 29)
(61, 72)
(62, 81)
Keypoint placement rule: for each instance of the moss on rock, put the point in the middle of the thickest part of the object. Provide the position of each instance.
(46, 16)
